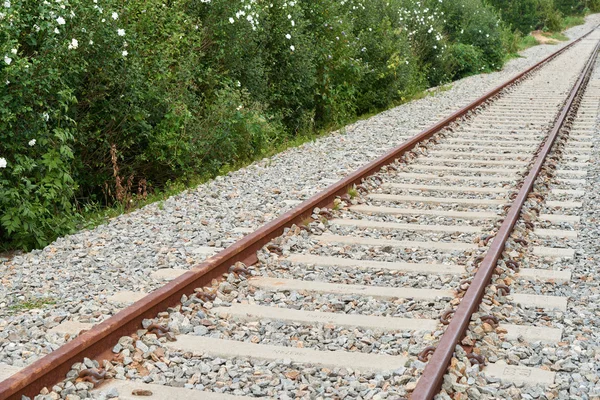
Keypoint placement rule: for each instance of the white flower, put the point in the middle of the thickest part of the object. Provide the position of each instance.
(121, 32)
(3, 162)
(292, 48)
(7, 4)
(124, 53)
(288, 36)
(91, 42)
(231, 20)
(32, 142)
(60, 20)
(115, 16)
(56, 30)
(293, 23)
(74, 44)
(14, 51)
(46, 116)
(7, 60)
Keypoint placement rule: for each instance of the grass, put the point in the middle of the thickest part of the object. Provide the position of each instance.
(569, 22)
(32, 304)
(561, 37)
(352, 192)
(527, 42)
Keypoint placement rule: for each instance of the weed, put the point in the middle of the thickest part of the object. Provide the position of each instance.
(32, 304)
(527, 42)
(559, 36)
(352, 192)
(571, 21)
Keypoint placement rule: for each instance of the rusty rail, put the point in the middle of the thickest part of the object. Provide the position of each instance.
(97, 342)
(429, 383)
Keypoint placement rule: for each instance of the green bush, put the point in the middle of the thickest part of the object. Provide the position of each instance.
(522, 15)
(81, 78)
(102, 100)
(572, 7)
(550, 17)
(424, 23)
(529, 15)
(591, 5)
(231, 133)
(477, 25)
(465, 60)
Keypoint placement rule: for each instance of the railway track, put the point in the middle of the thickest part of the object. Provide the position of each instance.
(365, 290)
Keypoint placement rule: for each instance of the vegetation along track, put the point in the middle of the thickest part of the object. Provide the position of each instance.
(348, 294)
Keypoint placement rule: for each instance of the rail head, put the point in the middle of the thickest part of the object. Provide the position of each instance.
(431, 380)
(97, 342)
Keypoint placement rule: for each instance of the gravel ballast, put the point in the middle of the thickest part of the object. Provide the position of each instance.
(73, 277)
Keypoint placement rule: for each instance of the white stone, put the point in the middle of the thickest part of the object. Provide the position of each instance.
(126, 297)
(417, 211)
(364, 223)
(444, 188)
(545, 302)
(168, 274)
(532, 333)
(380, 292)
(545, 275)
(511, 373)
(543, 251)
(409, 244)
(438, 200)
(336, 359)
(256, 312)
(125, 389)
(391, 266)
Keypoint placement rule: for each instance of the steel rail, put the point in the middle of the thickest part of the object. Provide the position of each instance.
(430, 381)
(98, 341)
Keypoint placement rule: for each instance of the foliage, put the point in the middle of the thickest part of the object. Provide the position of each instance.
(105, 99)
(477, 25)
(465, 59)
(528, 15)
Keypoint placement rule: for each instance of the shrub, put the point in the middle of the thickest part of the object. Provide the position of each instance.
(521, 14)
(465, 59)
(231, 132)
(528, 15)
(424, 23)
(477, 25)
(591, 5)
(571, 7)
(80, 78)
(550, 17)
(104, 99)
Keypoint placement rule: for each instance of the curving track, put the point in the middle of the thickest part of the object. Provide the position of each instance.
(347, 292)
